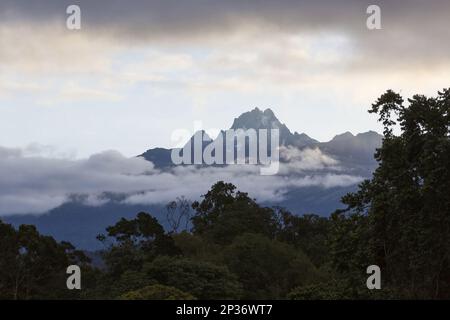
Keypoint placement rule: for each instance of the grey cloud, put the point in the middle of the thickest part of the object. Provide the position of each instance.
(37, 184)
(413, 31)
(298, 160)
(201, 15)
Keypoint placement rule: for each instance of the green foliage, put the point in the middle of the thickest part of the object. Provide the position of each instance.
(133, 242)
(157, 292)
(331, 290)
(349, 249)
(268, 269)
(400, 219)
(198, 248)
(226, 213)
(108, 286)
(34, 266)
(201, 279)
(309, 232)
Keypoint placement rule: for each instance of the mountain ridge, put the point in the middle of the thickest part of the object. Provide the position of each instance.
(357, 148)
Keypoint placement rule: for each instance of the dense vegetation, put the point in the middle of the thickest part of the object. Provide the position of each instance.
(227, 246)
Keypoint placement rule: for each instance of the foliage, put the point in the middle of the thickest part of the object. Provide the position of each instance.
(157, 292)
(34, 266)
(309, 232)
(400, 219)
(226, 213)
(331, 290)
(268, 269)
(133, 242)
(201, 279)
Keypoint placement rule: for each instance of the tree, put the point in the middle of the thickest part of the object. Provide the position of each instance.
(309, 232)
(178, 214)
(134, 242)
(34, 266)
(225, 213)
(268, 269)
(203, 280)
(400, 219)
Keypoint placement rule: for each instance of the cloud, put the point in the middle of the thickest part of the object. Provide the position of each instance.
(38, 184)
(50, 48)
(45, 151)
(297, 160)
(74, 92)
(412, 33)
(282, 48)
(35, 184)
(419, 25)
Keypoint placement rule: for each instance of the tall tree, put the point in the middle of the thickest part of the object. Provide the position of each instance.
(225, 213)
(33, 266)
(400, 219)
(133, 242)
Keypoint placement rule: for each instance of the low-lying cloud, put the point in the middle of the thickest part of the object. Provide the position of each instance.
(36, 184)
(298, 160)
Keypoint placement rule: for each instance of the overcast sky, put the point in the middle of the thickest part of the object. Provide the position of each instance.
(138, 70)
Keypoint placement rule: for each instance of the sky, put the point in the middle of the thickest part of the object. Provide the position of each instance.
(138, 70)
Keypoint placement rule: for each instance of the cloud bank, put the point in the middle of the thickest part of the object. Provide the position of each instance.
(36, 184)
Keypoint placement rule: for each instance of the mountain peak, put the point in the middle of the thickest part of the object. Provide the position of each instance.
(369, 133)
(364, 136)
(258, 119)
(269, 112)
(343, 146)
(344, 136)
